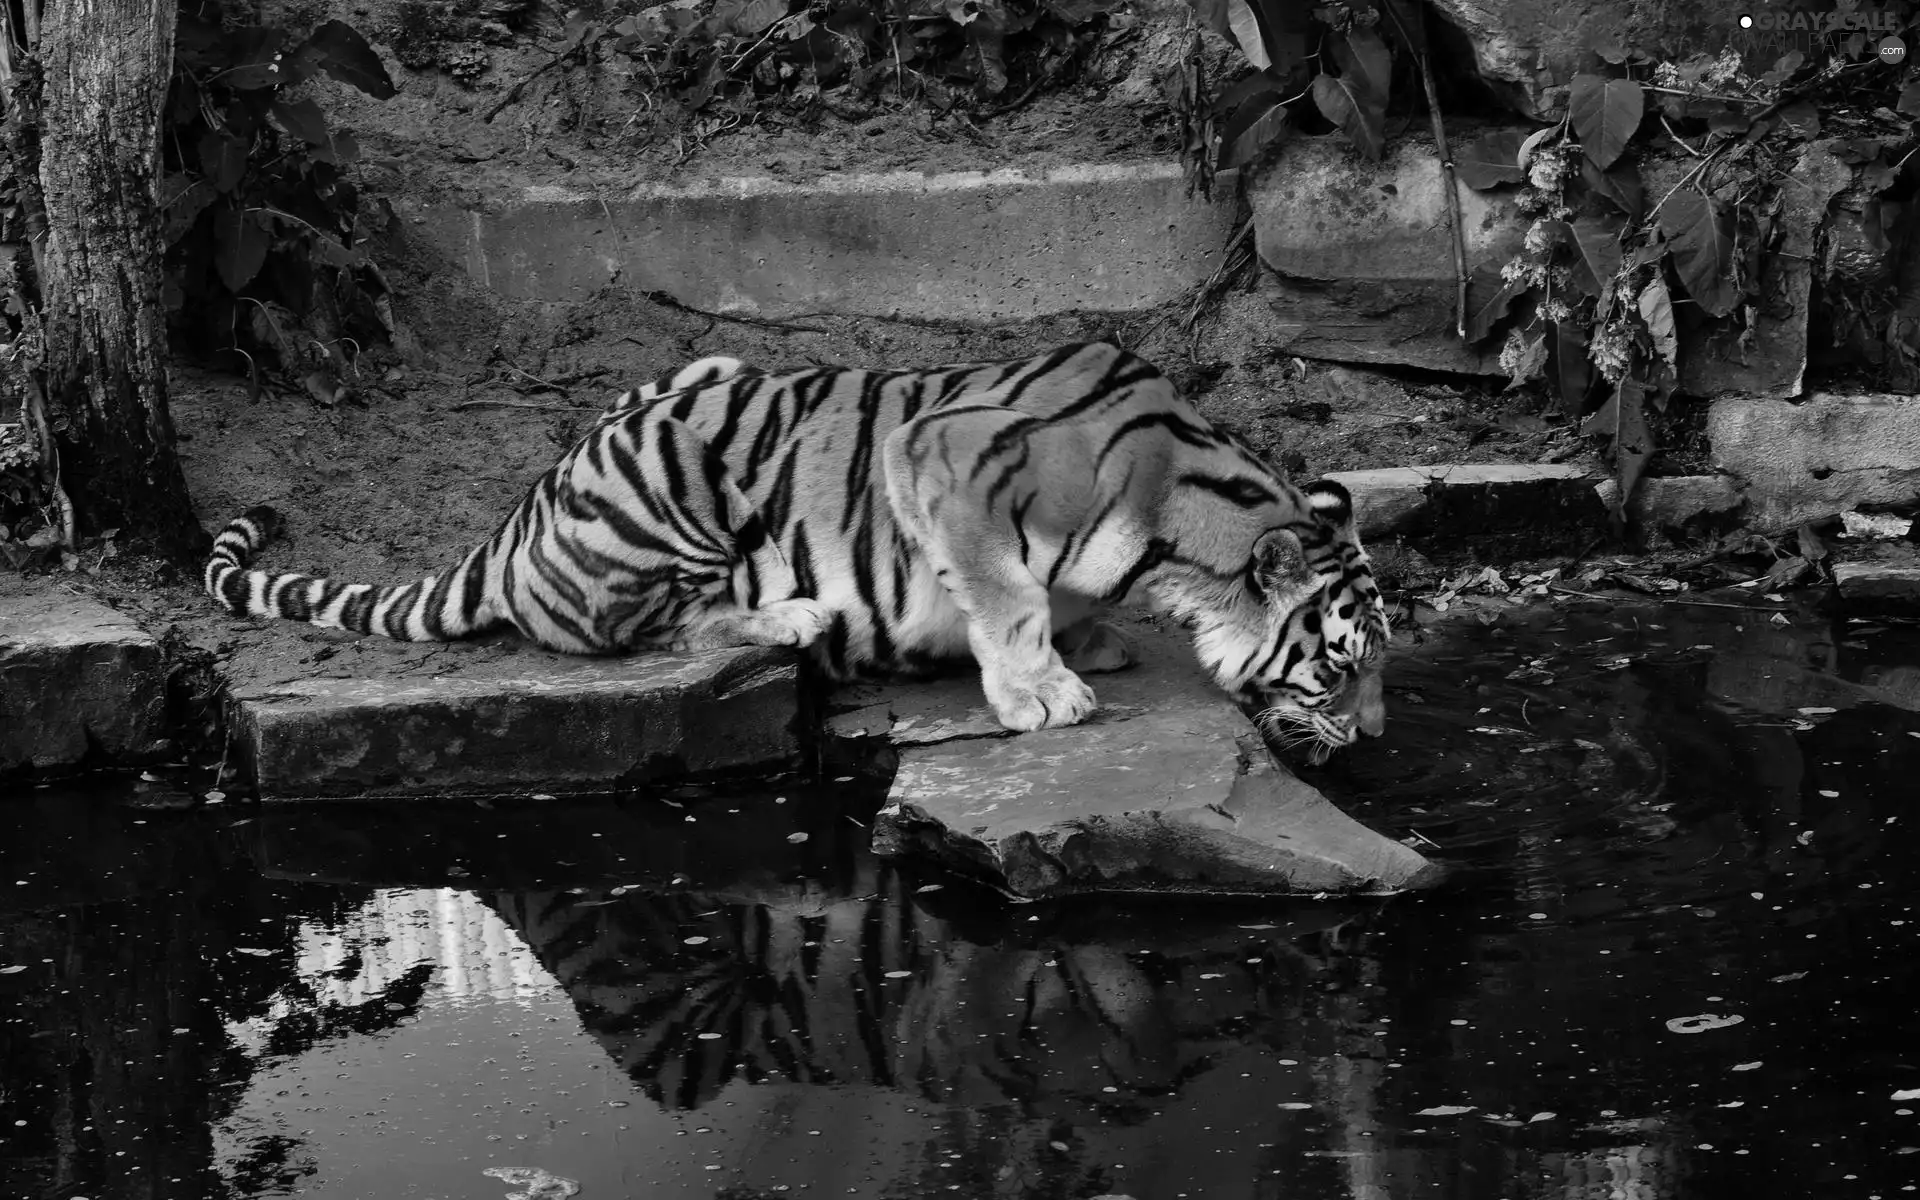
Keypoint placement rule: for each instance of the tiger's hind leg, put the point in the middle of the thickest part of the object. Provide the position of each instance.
(977, 556)
(714, 577)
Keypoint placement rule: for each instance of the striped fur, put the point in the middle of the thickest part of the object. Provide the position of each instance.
(890, 519)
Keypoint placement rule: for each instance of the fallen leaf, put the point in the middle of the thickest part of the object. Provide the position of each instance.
(1446, 1110)
(1703, 1022)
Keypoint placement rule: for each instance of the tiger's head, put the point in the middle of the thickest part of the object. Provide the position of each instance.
(1303, 636)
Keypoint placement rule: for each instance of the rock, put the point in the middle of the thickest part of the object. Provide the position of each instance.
(1880, 586)
(1676, 502)
(1365, 256)
(1168, 789)
(80, 685)
(1805, 462)
(1466, 498)
(529, 722)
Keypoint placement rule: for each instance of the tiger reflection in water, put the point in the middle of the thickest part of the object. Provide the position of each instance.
(816, 988)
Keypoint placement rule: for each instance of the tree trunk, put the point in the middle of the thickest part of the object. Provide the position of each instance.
(107, 65)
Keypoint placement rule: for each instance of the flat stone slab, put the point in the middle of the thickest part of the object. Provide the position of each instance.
(1167, 789)
(1827, 454)
(1878, 585)
(80, 685)
(1677, 502)
(962, 245)
(1405, 499)
(530, 722)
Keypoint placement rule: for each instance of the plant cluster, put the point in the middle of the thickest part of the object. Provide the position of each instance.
(704, 66)
(258, 205)
(1609, 286)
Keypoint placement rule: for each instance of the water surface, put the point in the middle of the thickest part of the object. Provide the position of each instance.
(1678, 961)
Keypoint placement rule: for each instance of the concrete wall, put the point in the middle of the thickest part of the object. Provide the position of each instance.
(970, 245)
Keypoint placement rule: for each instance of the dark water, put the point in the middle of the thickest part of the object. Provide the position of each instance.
(1679, 962)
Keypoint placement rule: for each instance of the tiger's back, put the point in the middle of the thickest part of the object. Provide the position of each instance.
(909, 516)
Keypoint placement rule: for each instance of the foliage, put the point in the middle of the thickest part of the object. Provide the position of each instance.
(258, 205)
(1608, 287)
(1340, 57)
(700, 69)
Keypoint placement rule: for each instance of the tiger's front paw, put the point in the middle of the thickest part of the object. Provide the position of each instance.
(1057, 698)
(802, 621)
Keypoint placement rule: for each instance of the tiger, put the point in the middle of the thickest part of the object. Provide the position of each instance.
(886, 522)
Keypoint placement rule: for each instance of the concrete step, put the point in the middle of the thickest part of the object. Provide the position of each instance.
(1168, 789)
(964, 245)
(80, 685)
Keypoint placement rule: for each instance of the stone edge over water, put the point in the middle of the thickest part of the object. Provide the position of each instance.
(1167, 789)
(80, 685)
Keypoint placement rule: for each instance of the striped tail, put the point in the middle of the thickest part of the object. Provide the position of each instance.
(436, 609)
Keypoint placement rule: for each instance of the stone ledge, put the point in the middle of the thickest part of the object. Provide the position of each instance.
(530, 722)
(1879, 586)
(1167, 789)
(80, 686)
(1678, 501)
(1827, 454)
(1403, 499)
(965, 245)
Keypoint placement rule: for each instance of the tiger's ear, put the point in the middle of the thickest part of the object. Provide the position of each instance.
(1332, 504)
(1280, 564)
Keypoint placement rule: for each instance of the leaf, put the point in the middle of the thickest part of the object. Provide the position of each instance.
(1729, 119)
(1702, 251)
(333, 253)
(1623, 421)
(1801, 119)
(1909, 104)
(1243, 139)
(1530, 363)
(253, 57)
(1244, 91)
(1244, 24)
(988, 43)
(303, 119)
(1357, 100)
(239, 247)
(1605, 112)
(1656, 309)
(223, 158)
(1532, 143)
(342, 53)
(1568, 365)
(1489, 299)
(1598, 243)
(1490, 160)
(755, 16)
(1783, 68)
(182, 200)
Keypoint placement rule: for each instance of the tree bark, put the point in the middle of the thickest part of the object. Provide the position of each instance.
(107, 66)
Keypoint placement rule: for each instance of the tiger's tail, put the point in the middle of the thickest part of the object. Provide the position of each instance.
(438, 608)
